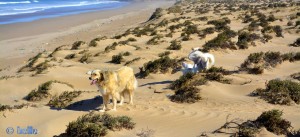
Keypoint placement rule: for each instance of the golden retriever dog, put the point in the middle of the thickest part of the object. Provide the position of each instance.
(114, 84)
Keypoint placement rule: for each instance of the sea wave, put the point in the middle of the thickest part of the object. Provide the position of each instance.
(83, 3)
(16, 13)
(15, 2)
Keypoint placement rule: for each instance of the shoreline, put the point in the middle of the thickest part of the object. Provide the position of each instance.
(27, 39)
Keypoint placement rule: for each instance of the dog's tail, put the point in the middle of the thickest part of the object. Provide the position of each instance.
(211, 60)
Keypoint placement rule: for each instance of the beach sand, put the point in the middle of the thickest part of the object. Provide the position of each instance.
(220, 102)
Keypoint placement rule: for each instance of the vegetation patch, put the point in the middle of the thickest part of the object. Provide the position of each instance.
(111, 47)
(43, 91)
(244, 39)
(8, 107)
(70, 56)
(257, 62)
(56, 49)
(93, 42)
(296, 43)
(272, 120)
(86, 58)
(220, 24)
(131, 61)
(155, 40)
(296, 76)
(163, 65)
(64, 99)
(175, 45)
(95, 125)
(222, 41)
(30, 63)
(156, 14)
(77, 44)
(284, 92)
(166, 53)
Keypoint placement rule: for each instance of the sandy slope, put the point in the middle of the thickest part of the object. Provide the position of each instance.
(153, 110)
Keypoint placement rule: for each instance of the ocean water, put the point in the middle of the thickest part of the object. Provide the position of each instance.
(13, 11)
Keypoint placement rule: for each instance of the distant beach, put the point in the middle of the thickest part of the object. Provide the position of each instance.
(12, 11)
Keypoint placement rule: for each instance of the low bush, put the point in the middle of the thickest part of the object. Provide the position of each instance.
(95, 125)
(163, 65)
(186, 95)
(166, 53)
(157, 14)
(257, 62)
(43, 91)
(111, 47)
(77, 44)
(282, 92)
(175, 45)
(155, 40)
(187, 80)
(278, 31)
(272, 120)
(175, 9)
(220, 24)
(56, 49)
(30, 63)
(117, 59)
(70, 56)
(86, 58)
(222, 41)
(244, 38)
(64, 99)
(296, 43)
(131, 61)
(296, 76)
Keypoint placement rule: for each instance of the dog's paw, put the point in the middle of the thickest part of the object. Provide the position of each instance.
(101, 110)
(113, 110)
(120, 104)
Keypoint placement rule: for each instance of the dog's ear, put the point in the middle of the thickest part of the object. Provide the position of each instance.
(101, 76)
(89, 72)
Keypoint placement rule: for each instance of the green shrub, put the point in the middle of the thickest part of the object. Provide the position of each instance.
(163, 65)
(186, 95)
(55, 50)
(271, 18)
(175, 9)
(117, 59)
(267, 37)
(42, 91)
(280, 92)
(64, 99)
(96, 125)
(166, 53)
(175, 45)
(290, 23)
(154, 40)
(296, 43)
(42, 67)
(70, 56)
(112, 47)
(86, 58)
(222, 41)
(278, 30)
(273, 122)
(131, 61)
(157, 14)
(220, 24)
(244, 38)
(187, 80)
(77, 44)
(296, 76)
